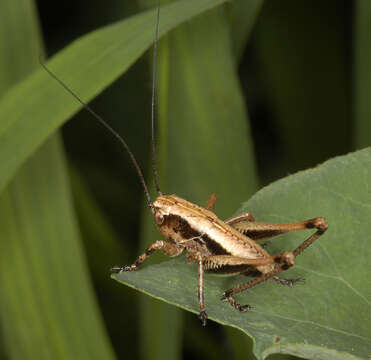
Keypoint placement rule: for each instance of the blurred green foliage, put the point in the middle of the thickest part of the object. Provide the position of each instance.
(298, 69)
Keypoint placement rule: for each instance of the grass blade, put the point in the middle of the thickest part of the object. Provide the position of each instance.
(88, 66)
(47, 306)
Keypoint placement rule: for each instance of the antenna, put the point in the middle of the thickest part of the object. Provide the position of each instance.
(114, 132)
(154, 70)
(110, 129)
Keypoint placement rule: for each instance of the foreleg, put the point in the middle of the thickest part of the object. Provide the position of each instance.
(201, 298)
(166, 247)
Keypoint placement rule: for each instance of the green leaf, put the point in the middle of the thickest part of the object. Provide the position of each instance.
(19, 37)
(328, 317)
(242, 17)
(34, 109)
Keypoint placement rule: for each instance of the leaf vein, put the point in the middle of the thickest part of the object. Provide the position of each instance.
(316, 324)
(339, 278)
(342, 196)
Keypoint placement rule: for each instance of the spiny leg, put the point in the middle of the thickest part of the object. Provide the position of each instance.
(227, 295)
(262, 230)
(167, 248)
(275, 229)
(282, 262)
(318, 223)
(230, 263)
(201, 298)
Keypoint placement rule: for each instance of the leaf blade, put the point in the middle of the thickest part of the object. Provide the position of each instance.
(61, 313)
(47, 303)
(293, 321)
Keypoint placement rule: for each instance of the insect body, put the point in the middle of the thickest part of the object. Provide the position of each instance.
(223, 247)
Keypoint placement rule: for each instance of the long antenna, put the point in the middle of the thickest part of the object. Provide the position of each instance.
(110, 129)
(154, 70)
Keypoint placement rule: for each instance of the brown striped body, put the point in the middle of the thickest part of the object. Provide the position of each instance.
(183, 220)
(222, 246)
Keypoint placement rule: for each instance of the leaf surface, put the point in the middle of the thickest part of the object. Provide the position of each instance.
(329, 317)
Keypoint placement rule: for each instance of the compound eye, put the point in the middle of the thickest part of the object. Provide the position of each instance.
(159, 219)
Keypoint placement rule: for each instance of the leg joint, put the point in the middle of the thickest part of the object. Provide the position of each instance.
(319, 223)
(285, 259)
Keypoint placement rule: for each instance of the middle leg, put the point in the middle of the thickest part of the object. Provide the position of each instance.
(201, 297)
